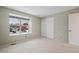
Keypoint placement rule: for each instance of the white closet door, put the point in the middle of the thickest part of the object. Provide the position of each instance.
(48, 27)
(43, 27)
(74, 28)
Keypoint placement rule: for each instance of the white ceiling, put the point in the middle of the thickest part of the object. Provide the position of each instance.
(41, 11)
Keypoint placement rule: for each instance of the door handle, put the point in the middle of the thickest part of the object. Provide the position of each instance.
(70, 30)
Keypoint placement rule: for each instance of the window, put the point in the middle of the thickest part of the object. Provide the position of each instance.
(19, 25)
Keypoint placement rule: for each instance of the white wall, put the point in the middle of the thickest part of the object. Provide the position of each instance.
(61, 27)
(47, 27)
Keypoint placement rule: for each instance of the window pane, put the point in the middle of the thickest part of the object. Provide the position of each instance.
(24, 25)
(14, 25)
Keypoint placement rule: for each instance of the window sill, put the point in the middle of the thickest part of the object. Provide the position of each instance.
(18, 34)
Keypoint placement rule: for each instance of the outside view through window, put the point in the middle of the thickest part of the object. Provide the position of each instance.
(18, 25)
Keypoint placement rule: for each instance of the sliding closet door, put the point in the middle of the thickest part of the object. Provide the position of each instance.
(50, 27)
(43, 28)
(74, 28)
(47, 27)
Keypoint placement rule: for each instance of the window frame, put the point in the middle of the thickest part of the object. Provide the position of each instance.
(30, 25)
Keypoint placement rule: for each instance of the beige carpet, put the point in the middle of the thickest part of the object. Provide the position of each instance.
(40, 46)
